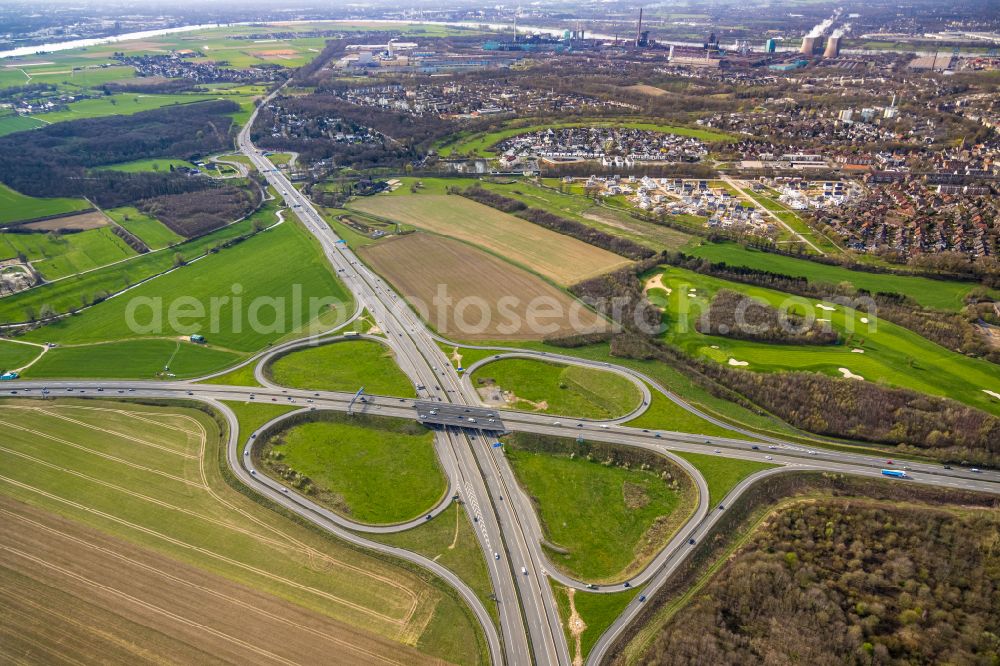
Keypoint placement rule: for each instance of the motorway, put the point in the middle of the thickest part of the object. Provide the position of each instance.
(536, 633)
(505, 523)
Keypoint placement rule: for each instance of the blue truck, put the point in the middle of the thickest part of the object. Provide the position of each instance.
(895, 473)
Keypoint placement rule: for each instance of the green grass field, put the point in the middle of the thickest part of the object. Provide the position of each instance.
(567, 390)
(939, 294)
(609, 520)
(82, 79)
(722, 474)
(15, 206)
(152, 476)
(888, 353)
(13, 354)
(131, 359)
(242, 376)
(120, 104)
(275, 274)
(67, 294)
(67, 254)
(150, 231)
(480, 143)
(343, 366)
(161, 164)
(664, 414)
(371, 469)
(14, 123)
(251, 415)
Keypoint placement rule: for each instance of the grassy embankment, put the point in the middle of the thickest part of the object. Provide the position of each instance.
(371, 469)
(343, 366)
(602, 521)
(552, 388)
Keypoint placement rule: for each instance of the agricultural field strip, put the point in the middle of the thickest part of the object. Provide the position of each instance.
(402, 622)
(139, 602)
(560, 258)
(176, 580)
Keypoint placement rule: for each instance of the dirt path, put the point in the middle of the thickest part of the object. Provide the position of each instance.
(44, 348)
(576, 628)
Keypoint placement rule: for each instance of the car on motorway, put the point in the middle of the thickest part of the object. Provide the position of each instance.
(626, 584)
(975, 470)
(642, 598)
(496, 555)
(556, 423)
(591, 586)
(718, 451)
(755, 447)
(768, 457)
(691, 541)
(524, 571)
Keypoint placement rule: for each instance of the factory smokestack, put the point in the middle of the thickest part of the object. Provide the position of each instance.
(832, 47)
(808, 45)
(638, 32)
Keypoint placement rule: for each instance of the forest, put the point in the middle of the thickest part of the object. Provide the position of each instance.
(847, 582)
(197, 213)
(59, 160)
(735, 315)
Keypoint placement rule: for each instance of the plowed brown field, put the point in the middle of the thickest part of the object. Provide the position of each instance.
(69, 593)
(467, 294)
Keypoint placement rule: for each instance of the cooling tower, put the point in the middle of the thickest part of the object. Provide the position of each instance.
(832, 47)
(808, 45)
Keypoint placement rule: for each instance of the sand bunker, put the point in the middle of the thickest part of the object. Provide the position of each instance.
(733, 361)
(825, 307)
(857, 351)
(864, 320)
(656, 282)
(849, 375)
(993, 394)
